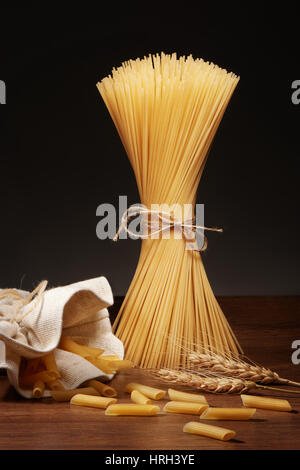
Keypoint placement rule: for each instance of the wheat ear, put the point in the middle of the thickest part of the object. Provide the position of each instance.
(235, 367)
(205, 384)
(211, 384)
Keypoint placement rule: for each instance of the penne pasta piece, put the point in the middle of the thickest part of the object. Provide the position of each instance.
(66, 395)
(150, 392)
(111, 358)
(110, 366)
(208, 430)
(55, 385)
(71, 346)
(122, 364)
(237, 414)
(105, 366)
(93, 351)
(24, 368)
(44, 376)
(102, 388)
(92, 401)
(32, 366)
(139, 398)
(38, 389)
(50, 364)
(96, 352)
(130, 409)
(176, 395)
(266, 403)
(184, 407)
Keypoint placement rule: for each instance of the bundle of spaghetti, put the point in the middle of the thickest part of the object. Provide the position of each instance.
(167, 111)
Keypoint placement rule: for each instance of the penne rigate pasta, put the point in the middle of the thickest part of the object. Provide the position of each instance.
(95, 352)
(103, 389)
(106, 366)
(122, 364)
(266, 403)
(43, 376)
(238, 414)
(38, 389)
(110, 366)
(55, 385)
(185, 407)
(71, 346)
(208, 430)
(111, 358)
(139, 398)
(150, 392)
(92, 401)
(176, 395)
(50, 364)
(130, 409)
(66, 395)
(32, 366)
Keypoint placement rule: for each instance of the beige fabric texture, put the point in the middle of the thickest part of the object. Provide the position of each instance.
(78, 310)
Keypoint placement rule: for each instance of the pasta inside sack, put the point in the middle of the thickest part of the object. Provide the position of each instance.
(32, 324)
(42, 373)
(167, 111)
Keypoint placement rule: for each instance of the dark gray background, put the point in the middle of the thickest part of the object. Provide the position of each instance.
(60, 155)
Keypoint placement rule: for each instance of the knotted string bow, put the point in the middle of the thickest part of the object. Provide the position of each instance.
(168, 220)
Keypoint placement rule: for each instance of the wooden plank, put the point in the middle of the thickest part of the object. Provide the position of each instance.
(266, 328)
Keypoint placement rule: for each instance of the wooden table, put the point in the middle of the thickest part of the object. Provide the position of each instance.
(266, 328)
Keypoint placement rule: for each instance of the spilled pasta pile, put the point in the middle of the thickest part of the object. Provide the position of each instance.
(141, 404)
(144, 399)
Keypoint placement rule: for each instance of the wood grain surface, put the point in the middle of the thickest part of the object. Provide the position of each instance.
(265, 327)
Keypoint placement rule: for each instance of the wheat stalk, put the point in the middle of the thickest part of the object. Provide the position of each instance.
(211, 383)
(235, 368)
(204, 383)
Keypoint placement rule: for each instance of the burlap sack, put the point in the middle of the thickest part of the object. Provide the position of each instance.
(31, 326)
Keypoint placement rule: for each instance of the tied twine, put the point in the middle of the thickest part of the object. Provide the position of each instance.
(20, 302)
(168, 220)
